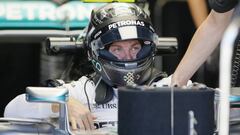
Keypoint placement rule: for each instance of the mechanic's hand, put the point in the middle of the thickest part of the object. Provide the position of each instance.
(79, 115)
(167, 82)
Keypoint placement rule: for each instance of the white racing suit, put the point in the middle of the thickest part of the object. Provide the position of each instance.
(106, 114)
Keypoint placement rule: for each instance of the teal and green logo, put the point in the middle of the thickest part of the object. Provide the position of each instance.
(45, 14)
(97, 65)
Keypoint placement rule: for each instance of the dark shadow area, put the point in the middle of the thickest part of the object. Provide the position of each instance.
(176, 22)
(19, 68)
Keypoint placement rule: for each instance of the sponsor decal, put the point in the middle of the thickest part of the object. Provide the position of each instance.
(97, 65)
(129, 78)
(34, 13)
(97, 34)
(192, 123)
(126, 23)
(105, 106)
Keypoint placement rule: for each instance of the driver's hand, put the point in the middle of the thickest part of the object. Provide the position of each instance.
(79, 115)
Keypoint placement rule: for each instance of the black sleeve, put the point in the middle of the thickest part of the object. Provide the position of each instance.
(222, 6)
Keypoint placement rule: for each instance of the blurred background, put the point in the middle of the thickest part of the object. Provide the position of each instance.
(25, 25)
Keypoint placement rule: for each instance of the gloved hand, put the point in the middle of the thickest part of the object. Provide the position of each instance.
(79, 115)
(166, 82)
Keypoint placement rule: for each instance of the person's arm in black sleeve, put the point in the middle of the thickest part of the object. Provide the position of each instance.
(222, 6)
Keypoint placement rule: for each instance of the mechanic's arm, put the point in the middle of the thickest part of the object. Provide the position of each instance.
(204, 41)
(198, 10)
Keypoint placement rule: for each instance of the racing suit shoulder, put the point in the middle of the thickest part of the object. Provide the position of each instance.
(20, 108)
(78, 89)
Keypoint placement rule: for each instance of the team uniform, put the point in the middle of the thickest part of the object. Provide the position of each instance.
(222, 6)
(106, 114)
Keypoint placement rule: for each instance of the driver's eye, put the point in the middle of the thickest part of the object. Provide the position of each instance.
(136, 48)
(116, 50)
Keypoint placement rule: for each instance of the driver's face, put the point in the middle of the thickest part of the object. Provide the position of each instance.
(125, 50)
